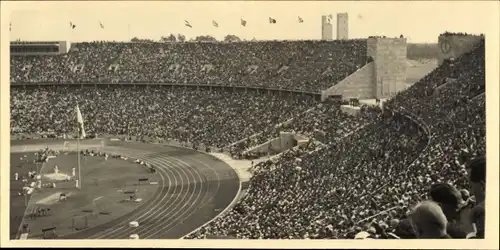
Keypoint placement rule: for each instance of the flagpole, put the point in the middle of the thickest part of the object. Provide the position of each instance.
(78, 156)
(80, 133)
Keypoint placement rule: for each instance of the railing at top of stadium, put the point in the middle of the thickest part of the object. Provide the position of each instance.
(297, 91)
(460, 34)
(221, 42)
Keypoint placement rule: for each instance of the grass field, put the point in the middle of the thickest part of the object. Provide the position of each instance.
(104, 184)
(417, 70)
(416, 51)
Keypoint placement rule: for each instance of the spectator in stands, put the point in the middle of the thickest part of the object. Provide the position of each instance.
(292, 65)
(198, 116)
(449, 199)
(451, 202)
(429, 221)
(477, 176)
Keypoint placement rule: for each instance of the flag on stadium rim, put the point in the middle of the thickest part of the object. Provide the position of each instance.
(243, 22)
(71, 25)
(272, 20)
(79, 119)
(301, 20)
(102, 26)
(187, 24)
(215, 23)
(329, 18)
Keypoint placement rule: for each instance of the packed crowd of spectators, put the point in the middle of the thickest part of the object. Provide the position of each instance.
(371, 180)
(328, 187)
(213, 118)
(373, 170)
(302, 65)
(325, 122)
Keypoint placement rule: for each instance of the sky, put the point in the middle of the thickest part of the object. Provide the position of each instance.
(419, 21)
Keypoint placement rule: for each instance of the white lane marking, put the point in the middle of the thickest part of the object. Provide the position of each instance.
(184, 204)
(166, 227)
(198, 174)
(153, 204)
(159, 207)
(122, 220)
(156, 204)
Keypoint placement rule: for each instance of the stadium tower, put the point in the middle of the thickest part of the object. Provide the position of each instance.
(327, 27)
(342, 26)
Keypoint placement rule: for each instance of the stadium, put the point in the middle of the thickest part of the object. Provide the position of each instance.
(335, 139)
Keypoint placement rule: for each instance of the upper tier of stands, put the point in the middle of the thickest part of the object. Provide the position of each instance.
(297, 65)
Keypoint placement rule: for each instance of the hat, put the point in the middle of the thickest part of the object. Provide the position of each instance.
(445, 193)
(362, 235)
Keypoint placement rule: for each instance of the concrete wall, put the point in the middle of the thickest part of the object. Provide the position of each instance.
(301, 139)
(389, 56)
(382, 78)
(282, 143)
(351, 110)
(302, 143)
(264, 147)
(275, 145)
(357, 85)
(456, 45)
(287, 140)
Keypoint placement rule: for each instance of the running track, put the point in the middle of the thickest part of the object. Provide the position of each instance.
(194, 188)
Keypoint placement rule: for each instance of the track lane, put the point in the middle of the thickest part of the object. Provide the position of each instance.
(192, 209)
(198, 189)
(125, 219)
(152, 214)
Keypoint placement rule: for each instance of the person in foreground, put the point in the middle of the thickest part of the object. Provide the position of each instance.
(476, 169)
(428, 221)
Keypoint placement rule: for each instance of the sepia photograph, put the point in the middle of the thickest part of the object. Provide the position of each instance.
(250, 120)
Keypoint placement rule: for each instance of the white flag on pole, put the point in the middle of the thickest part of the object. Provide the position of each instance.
(79, 119)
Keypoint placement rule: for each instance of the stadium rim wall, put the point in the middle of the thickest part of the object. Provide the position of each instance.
(454, 46)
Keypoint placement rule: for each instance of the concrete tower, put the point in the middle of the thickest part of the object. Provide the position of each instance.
(342, 26)
(326, 27)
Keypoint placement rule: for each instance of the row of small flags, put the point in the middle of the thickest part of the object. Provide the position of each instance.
(73, 26)
(242, 22)
(214, 23)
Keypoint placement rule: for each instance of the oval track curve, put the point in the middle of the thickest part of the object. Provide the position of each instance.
(194, 188)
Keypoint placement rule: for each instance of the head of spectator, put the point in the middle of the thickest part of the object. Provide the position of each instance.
(477, 177)
(428, 220)
(362, 235)
(449, 198)
(465, 194)
(394, 223)
(405, 230)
